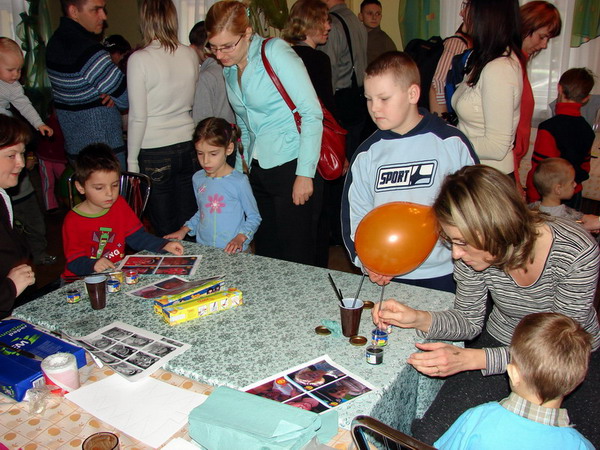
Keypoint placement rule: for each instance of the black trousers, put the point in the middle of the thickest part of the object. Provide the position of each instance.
(469, 389)
(287, 231)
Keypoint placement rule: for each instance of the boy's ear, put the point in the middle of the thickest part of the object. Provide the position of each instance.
(79, 188)
(585, 100)
(229, 149)
(414, 92)
(560, 93)
(514, 374)
(360, 16)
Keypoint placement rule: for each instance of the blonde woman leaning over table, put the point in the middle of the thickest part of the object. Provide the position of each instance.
(487, 102)
(526, 263)
(15, 273)
(282, 161)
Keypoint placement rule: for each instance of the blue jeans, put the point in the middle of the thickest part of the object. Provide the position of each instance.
(172, 199)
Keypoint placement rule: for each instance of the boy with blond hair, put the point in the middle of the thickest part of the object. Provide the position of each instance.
(554, 179)
(566, 135)
(406, 160)
(550, 355)
(11, 91)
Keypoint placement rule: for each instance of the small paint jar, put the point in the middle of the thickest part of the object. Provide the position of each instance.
(113, 286)
(374, 354)
(131, 276)
(379, 337)
(117, 275)
(73, 296)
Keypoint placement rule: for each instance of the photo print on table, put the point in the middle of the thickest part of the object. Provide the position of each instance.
(117, 333)
(142, 360)
(162, 265)
(136, 340)
(121, 351)
(316, 385)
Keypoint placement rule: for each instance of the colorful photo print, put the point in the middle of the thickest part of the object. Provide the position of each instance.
(159, 349)
(117, 333)
(341, 391)
(171, 270)
(102, 343)
(279, 390)
(136, 340)
(143, 261)
(149, 292)
(121, 351)
(316, 375)
(141, 270)
(178, 260)
(142, 360)
(126, 369)
(171, 283)
(307, 403)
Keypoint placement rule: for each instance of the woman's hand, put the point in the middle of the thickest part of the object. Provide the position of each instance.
(392, 312)
(379, 279)
(302, 190)
(442, 360)
(174, 248)
(22, 276)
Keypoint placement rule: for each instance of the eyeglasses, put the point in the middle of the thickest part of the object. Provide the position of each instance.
(223, 49)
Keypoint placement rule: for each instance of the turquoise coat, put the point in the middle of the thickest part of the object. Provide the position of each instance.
(268, 129)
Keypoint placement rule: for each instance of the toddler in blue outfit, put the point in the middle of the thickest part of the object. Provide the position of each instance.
(227, 214)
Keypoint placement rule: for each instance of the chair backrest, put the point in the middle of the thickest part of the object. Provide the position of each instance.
(135, 188)
(384, 436)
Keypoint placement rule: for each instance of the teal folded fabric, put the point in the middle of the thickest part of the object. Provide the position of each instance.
(234, 419)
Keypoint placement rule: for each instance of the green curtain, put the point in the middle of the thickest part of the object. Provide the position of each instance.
(419, 19)
(34, 30)
(586, 22)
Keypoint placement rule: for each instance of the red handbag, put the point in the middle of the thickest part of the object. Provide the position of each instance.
(333, 141)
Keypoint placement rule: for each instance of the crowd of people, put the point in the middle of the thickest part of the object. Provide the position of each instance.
(231, 168)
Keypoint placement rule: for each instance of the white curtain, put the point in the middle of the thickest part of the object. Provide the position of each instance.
(190, 12)
(9, 16)
(545, 69)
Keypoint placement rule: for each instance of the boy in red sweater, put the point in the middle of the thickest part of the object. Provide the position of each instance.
(95, 231)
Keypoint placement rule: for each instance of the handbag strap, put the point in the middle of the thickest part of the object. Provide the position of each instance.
(279, 86)
(354, 79)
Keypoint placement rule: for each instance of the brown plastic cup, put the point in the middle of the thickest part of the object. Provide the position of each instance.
(96, 289)
(101, 441)
(351, 316)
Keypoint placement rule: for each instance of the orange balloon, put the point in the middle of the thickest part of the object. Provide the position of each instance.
(395, 238)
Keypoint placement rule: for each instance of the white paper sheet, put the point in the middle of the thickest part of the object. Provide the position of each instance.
(148, 410)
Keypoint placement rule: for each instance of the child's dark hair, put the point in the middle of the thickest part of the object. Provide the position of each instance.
(95, 158)
(218, 132)
(577, 83)
(13, 131)
(198, 35)
(369, 2)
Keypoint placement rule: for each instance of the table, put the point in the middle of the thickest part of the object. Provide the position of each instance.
(271, 332)
(64, 425)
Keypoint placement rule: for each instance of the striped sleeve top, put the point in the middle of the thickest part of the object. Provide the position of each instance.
(567, 285)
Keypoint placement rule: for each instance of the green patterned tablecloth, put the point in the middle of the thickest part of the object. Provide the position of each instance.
(271, 332)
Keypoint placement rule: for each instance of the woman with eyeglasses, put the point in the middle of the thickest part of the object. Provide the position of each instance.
(161, 80)
(526, 262)
(487, 102)
(281, 161)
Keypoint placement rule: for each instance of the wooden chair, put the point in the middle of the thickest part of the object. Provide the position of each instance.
(135, 188)
(366, 428)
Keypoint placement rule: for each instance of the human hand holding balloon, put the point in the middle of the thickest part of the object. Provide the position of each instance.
(377, 278)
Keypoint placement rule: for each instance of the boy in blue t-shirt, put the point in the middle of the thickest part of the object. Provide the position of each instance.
(549, 359)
